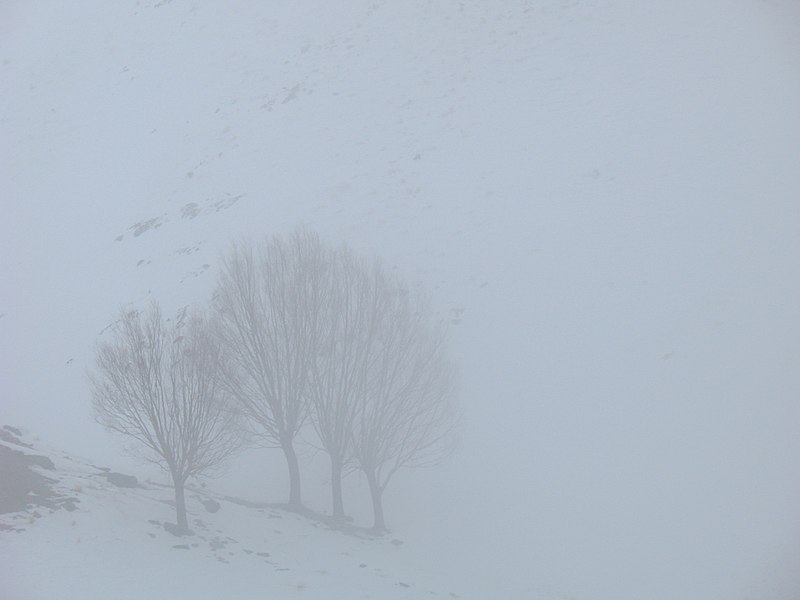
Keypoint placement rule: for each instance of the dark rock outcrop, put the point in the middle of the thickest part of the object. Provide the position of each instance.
(11, 435)
(210, 505)
(122, 480)
(21, 486)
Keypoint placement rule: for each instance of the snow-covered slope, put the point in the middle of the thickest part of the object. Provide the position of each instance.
(88, 537)
(602, 193)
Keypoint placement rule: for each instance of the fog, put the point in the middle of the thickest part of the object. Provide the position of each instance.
(600, 196)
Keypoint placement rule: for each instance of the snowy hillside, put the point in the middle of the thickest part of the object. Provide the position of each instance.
(600, 195)
(89, 532)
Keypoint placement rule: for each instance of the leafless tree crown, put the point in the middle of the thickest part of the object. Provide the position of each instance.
(340, 372)
(406, 418)
(160, 384)
(315, 329)
(267, 302)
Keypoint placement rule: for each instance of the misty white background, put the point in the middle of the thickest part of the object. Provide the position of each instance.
(605, 194)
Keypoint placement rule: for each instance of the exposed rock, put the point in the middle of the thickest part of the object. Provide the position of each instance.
(210, 505)
(22, 486)
(11, 435)
(121, 480)
(40, 461)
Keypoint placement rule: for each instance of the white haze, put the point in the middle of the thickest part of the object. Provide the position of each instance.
(605, 195)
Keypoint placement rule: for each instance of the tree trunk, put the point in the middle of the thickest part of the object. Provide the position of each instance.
(336, 489)
(180, 505)
(377, 502)
(294, 474)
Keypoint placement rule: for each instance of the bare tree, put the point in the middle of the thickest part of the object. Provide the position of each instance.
(339, 379)
(159, 383)
(267, 299)
(406, 416)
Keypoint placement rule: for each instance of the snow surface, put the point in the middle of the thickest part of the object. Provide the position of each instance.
(603, 194)
(114, 545)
